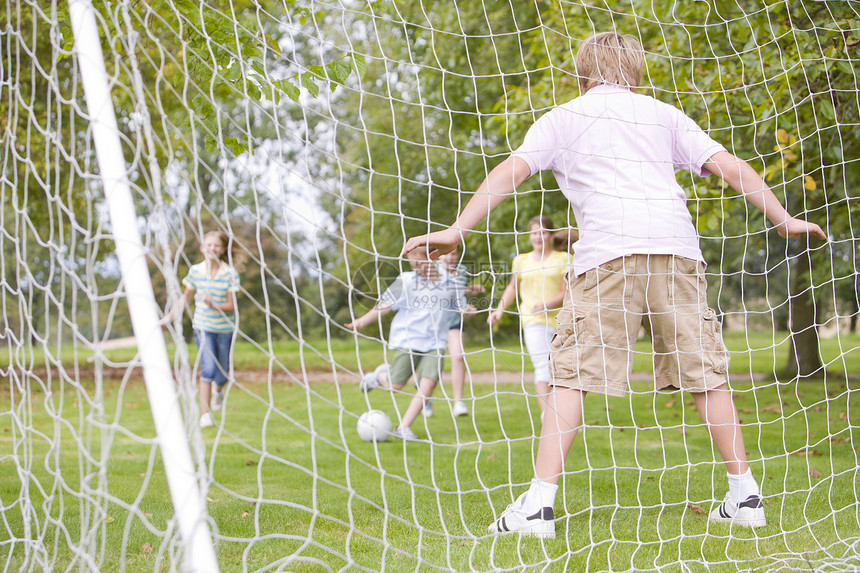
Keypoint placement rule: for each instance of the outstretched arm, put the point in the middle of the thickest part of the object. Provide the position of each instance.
(555, 302)
(177, 307)
(508, 296)
(501, 182)
(370, 316)
(744, 179)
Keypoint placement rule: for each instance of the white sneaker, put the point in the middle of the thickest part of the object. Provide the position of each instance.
(371, 381)
(515, 520)
(427, 410)
(460, 408)
(206, 420)
(748, 513)
(405, 434)
(217, 398)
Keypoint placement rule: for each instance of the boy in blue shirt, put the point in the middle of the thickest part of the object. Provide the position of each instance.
(422, 300)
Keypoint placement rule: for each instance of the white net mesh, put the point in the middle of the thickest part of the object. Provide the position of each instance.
(319, 136)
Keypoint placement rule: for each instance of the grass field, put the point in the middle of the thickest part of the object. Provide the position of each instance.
(292, 487)
(761, 353)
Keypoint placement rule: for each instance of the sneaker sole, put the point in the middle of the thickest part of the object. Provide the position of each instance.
(754, 522)
(542, 528)
(528, 533)
(538, 534)
(745, 517)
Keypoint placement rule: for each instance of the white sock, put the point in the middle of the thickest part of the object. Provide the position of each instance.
(540, 494)
(742, 486)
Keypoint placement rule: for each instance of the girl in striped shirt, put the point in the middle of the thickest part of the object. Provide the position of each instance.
(213, 284)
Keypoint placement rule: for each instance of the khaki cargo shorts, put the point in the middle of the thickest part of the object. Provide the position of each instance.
(604, 309)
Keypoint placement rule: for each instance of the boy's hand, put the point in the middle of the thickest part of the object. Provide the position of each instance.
(352, 326)
(475, 289)
(494, 317)
(792, 228)
(438, 243)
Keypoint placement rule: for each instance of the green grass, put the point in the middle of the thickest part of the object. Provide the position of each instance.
(293, 486)
(754, 352)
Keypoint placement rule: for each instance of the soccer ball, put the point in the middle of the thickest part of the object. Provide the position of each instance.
(374, 426)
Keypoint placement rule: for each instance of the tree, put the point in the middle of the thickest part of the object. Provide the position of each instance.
(197, 91)
(424, 133)
(768, 84)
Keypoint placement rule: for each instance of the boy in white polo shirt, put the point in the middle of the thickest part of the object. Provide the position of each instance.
(614, 154)
(422, 300)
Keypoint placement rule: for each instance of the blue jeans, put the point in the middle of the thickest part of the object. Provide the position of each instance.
(213, 350)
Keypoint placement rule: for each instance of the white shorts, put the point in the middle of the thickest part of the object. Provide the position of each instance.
(537, 336)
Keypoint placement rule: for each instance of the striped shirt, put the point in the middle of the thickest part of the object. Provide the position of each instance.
(225, 281)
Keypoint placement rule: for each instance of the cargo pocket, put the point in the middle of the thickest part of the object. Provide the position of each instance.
(590, 278)
(712, 343)
(564, 347)
(565, 331)
(605, 283)
(687, 282)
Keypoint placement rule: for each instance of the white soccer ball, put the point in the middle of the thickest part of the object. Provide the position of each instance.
(374, 426)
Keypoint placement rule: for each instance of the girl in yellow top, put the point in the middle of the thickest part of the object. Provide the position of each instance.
(538, 279)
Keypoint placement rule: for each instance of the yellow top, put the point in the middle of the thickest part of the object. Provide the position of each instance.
(540, 281)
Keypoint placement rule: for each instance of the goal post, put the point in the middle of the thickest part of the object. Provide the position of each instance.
(182, 478)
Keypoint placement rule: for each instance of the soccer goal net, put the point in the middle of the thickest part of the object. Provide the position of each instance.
(311, 139)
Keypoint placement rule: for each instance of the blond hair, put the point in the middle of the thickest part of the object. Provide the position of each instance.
(609, 58)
